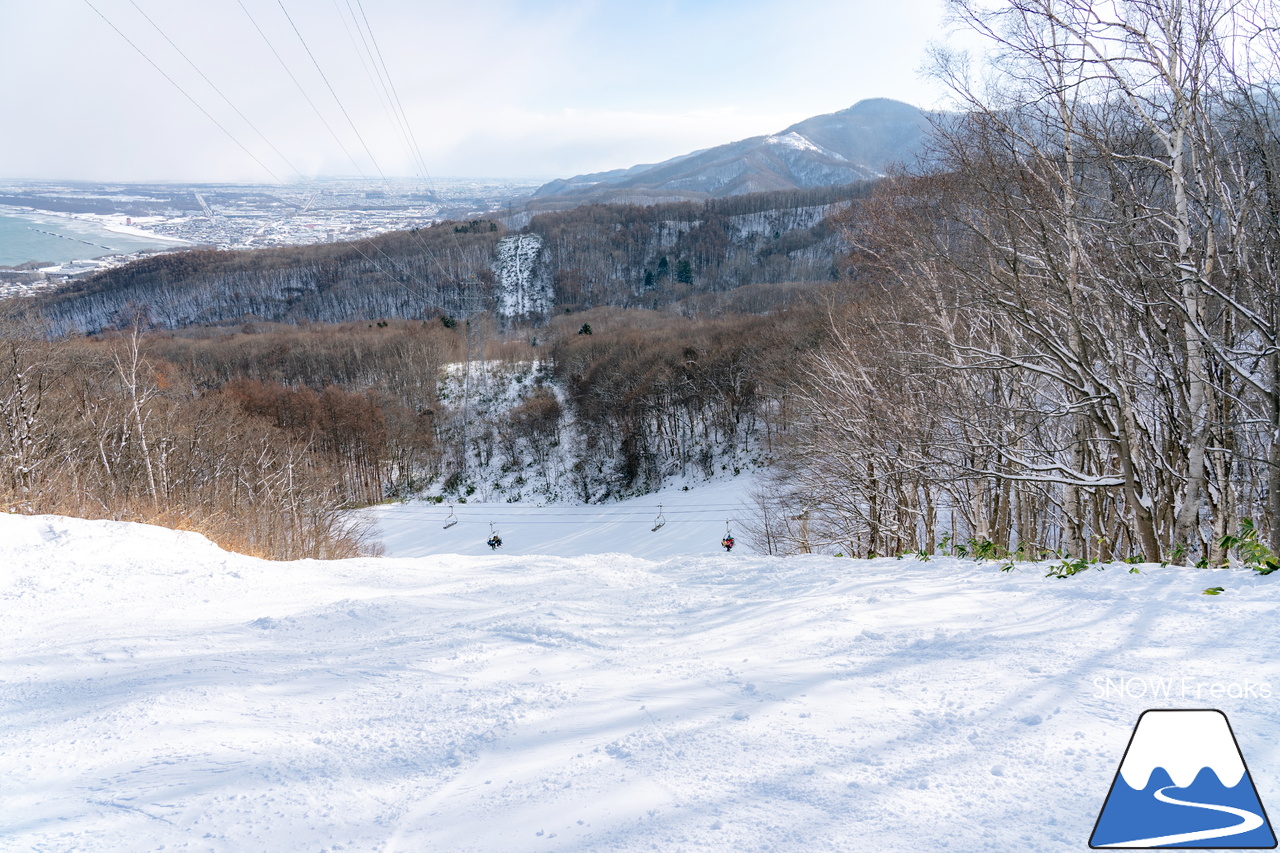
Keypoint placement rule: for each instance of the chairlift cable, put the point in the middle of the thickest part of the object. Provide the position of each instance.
(545, 522)
(639, 513)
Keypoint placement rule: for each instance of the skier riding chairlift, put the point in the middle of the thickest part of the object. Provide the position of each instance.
(727, 541)
(495, 541)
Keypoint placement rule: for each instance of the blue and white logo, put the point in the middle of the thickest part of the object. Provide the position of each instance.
(1183, 784)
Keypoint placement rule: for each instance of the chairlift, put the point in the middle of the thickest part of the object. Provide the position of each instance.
(451, 520)
(495, 541)
(660, 520)
(727, 541)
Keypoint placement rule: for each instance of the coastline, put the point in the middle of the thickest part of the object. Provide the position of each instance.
(103, 224)
(105, 221)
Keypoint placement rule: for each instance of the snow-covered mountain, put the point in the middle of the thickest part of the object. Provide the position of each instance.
(839, 148)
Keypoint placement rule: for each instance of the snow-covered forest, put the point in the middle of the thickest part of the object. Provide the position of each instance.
(1072, 339)
(599, 255)
(260, 436)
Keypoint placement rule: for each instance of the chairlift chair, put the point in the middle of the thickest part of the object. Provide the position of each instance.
(451, 520)
(660, 520)
(495, 541)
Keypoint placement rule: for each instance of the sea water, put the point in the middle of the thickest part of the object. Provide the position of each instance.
(38, 237)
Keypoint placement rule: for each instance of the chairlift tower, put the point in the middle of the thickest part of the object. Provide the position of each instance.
(471, 303)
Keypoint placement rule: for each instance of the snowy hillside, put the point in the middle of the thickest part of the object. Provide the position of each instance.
(159, 693)
(523, 289)
(527, 446)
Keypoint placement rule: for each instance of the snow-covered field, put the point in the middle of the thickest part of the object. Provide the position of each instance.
(158, 693)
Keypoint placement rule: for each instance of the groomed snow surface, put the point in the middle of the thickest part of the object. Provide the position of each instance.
(158, 693)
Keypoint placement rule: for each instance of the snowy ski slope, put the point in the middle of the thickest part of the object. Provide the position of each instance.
(158, 693)
(695, 521)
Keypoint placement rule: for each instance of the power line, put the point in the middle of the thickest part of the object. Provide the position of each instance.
(371, 70)
(417, 149)
(399, 278)
(427, 249)
(344, 150)
(301, 89)
(233, 106)
(380, 64)
(193, 101)
(212, 85)
(338, 100)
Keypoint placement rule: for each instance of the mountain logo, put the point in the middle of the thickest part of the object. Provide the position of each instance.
(1183, 784)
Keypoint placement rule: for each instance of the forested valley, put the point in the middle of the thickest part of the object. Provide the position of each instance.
(592, 256)
(262, 435)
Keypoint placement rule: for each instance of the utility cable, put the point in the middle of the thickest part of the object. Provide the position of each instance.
(304, 178)
(230, 135)
(215, 88)
(193, 101)
(427, 249)
(416, 150)
(338, 100)
(404, 117)
(301, 89)
(369, 64)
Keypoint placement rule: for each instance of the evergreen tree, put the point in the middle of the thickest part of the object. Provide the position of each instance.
(684, 272)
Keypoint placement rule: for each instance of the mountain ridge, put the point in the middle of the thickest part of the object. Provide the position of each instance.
(855, 144)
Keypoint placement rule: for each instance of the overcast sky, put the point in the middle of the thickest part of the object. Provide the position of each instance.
(489, 88)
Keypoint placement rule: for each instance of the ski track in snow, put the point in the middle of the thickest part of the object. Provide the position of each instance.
(159, 693)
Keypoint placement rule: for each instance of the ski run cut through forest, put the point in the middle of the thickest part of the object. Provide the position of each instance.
(160, 693)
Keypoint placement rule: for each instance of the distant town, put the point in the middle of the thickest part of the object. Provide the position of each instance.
(243, 216)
